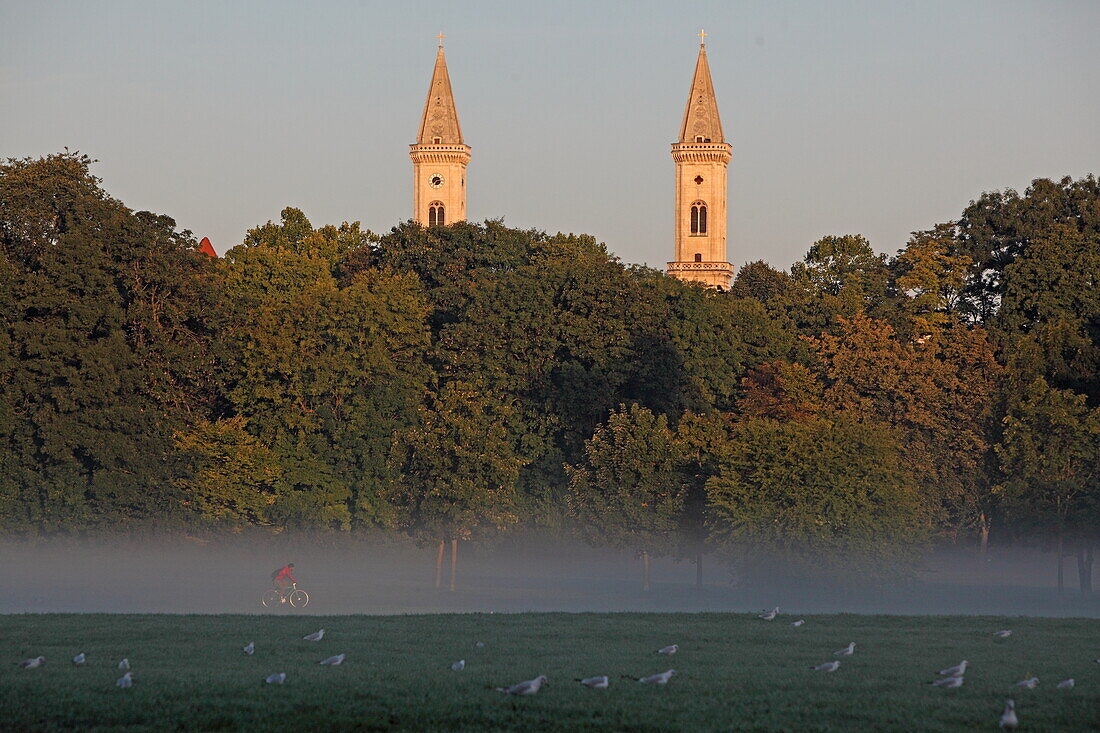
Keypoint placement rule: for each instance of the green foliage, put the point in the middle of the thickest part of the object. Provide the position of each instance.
(819, 491)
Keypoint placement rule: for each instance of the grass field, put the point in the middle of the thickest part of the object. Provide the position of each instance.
(733, 672)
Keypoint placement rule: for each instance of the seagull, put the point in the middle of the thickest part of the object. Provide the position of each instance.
(249, 648)
(846, 651)
(957, 671)
(596, 683)
(79, 659)
(1066, 684)
(770, 615)
(658, 679)
(1008, 717)
(798, 623)
(32, 663)
(315, 636)
(527, 687)
(275, 679)
(827, 667)
(125, 681)
(949, 683)
(479, 644)
(124, 665)
(670, 649)
(1029, 684)
(1003, 634)
(459, 665)
(333, 661)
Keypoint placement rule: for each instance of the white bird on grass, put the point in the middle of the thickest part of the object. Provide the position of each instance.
(315, 636)
(597, 683)
(846, 651)
(1002, 634)
(275, 679)
(32, 663)
(333, 661)
(527, 687)
(798, 623)
(670, 649)
(459, 665)
(1008, 717)
(957, 671)
(79, 659)
(770, 615)
(827, 667)
(1066, 684)
(479, 644)
(249, 648)
(125, 681)
(661, 678)
(124, 665)
(1029, 684)
(949, 683)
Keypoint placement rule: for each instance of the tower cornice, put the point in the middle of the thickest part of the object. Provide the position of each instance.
(702, 152)
(439, 153)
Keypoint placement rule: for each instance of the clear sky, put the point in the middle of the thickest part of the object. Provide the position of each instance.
(856, 116)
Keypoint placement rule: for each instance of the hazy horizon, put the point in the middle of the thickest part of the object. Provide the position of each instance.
(851, 117)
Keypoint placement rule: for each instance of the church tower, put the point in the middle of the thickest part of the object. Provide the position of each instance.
(702, 156)
(439, 156)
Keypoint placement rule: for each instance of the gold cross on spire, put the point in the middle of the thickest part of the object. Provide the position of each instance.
(441, 37)
(702, 37)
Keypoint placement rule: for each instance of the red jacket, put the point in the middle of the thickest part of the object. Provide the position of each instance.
(285, 573)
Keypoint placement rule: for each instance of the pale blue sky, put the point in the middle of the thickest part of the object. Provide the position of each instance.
(857, 116)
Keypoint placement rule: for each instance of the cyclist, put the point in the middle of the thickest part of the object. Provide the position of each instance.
(283, 578)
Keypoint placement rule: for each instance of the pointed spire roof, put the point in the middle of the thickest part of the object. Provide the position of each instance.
(701, 114)
(207, 249)
(440, 119)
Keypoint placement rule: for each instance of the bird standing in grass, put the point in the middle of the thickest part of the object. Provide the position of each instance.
(827, 667)
(670, 649)
(79, 659)
(527, 687)
(275, 679)
(125, 681)
(949, 683)
(333, 661)
(249, 648)
(770, 615)
(957, 671)
(1029, 684)
(798, 623)
(124, 665)
(1066, 684)
(846, 651)
(1008, 717)
(1002, 634)
(599, 682)
(661, 678)
(315, 636)
(459, 665)
(32, 663)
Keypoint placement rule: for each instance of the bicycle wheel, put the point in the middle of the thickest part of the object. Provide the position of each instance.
(271, 598)
(299, 598)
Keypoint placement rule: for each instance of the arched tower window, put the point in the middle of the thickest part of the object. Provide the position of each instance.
(435, 214)
(698, 257)
(698, 217)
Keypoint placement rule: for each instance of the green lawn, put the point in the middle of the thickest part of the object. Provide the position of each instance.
(734, 672)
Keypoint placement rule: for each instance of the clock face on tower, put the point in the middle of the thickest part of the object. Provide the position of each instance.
(435, 180)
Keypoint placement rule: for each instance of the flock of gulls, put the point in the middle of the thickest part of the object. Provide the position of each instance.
(949, 678)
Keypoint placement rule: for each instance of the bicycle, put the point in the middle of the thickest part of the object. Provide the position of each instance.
(295, 596)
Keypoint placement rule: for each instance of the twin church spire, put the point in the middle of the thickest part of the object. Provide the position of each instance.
(701, 154)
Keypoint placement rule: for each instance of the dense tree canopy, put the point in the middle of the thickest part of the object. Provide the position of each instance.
(461, 381)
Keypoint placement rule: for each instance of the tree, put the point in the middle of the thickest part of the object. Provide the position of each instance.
(1050, 459)
(817, 493)
(838, 277)
(455, 472)
(931, 281)
(629, 492)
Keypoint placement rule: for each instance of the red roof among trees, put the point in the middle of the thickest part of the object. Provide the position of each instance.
(206, 248)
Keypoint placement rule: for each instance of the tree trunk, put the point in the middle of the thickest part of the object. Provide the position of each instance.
(1061, 553)
(439, 566)
(984, 552)
(454, 562)
(1084, 567)
(699, 570)
(645, 571)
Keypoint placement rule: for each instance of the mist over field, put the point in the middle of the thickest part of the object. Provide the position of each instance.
(228, 575)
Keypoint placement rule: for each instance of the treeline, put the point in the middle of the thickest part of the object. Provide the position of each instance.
(464, 381)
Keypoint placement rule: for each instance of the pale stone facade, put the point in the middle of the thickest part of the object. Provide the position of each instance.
(702, 156)
(439, 156)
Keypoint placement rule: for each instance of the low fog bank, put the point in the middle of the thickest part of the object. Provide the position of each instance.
(385, 577)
